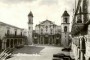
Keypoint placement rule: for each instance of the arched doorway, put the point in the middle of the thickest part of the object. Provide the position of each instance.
(11, 43)
(7, 43)
(41, 39)
(46, 38)
(83, 48)
(57, 41)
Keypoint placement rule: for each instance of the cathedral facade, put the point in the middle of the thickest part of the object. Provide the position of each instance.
(47, 33)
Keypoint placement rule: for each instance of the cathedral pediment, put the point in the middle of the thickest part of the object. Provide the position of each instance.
(47, 22)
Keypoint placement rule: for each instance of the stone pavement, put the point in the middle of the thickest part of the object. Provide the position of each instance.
(36, 53)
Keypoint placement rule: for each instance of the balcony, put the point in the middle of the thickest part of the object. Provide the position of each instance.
(14, 36)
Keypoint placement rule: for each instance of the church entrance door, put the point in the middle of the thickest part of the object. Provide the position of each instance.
(46, 39)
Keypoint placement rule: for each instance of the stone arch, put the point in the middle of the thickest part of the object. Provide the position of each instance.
(65, 28)
(83, 44)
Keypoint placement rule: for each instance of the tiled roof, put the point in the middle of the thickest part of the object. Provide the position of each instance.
(5, 24)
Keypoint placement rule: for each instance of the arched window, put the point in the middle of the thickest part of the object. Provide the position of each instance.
(66, 20)
(41, 31)
(8, 32)
(29, 28)
(21, 33)
(51, 31)
(83, 45)
(15, 32)
(46, 28)
(65, 29)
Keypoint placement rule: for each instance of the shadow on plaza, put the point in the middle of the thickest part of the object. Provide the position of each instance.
(28, 50)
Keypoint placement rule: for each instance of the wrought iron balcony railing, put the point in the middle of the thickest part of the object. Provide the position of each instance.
(14, 36)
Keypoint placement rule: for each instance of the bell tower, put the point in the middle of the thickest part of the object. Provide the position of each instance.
(65, 29)
(30, 28)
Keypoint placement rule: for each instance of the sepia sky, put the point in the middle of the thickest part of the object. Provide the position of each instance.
(15, 12)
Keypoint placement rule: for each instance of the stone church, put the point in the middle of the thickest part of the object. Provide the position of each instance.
(47, 32)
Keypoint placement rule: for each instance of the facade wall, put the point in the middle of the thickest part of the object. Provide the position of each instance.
(81, 31)
(84, 50)
(76, 48)
(87, 55)
(65, 39)
(2, 32)
(30, 39)
(11, 36)
(63, 25)
(47, 33)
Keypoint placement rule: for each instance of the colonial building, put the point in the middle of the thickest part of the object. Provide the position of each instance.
(30, 28)
(81, 31)
(65, 26)
(47, 33)
(11, 36)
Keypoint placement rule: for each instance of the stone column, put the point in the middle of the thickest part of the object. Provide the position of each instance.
(55, 40)
(82, 56)
(52, 40)
(38, 39)
(43, 40)
(9, 43)
(82, 48)
(5, 44)
(22, 42)
(17, 41)
(2, 44)
(13, 43)
(79, 54)
(48, 41)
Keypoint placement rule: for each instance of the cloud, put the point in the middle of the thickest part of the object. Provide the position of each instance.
(15, 1)
(15, 12)
(48, 2)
